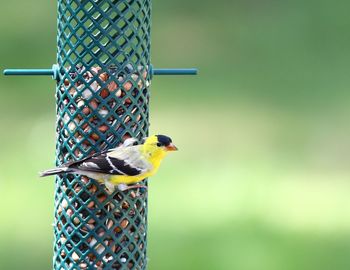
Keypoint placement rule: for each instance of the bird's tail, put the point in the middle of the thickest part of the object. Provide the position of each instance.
(54, 171)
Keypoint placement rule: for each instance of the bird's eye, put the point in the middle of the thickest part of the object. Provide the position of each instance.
(159, 144)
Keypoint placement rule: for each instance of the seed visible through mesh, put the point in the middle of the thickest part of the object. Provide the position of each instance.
(118, 99)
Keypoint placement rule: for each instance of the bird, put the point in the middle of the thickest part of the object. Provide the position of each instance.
(124, 166)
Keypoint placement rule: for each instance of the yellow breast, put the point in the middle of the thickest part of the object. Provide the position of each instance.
(154, 155)
(123, 179)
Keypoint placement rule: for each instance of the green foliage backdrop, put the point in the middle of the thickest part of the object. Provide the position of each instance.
(262, 178)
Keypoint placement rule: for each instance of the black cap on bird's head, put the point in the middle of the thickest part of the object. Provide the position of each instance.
(166, 142)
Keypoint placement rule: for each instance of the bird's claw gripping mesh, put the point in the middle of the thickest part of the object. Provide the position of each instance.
(102, 99)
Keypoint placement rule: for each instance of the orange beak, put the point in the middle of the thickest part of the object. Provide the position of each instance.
(171, 147)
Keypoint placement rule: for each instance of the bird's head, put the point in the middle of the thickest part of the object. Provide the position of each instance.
(159, 145)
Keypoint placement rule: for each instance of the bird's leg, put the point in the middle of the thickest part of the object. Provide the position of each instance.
(123, 187)
(109, 187)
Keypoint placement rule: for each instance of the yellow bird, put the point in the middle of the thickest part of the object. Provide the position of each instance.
(127, 164)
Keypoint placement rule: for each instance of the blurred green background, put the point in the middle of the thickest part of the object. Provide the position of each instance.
(262, 178)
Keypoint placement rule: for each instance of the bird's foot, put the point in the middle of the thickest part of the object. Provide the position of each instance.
(124, 187)
(109, 187)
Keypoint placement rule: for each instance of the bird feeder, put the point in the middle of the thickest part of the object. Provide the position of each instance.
(103, 73)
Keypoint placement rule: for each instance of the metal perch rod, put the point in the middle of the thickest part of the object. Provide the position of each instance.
(29, 72)
(54, 71)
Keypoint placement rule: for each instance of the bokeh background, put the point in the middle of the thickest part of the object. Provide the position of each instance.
(262, 178)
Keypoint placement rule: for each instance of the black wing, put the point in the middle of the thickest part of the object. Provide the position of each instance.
(101, 163)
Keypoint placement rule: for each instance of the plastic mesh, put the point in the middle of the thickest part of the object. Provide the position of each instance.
(102, 99)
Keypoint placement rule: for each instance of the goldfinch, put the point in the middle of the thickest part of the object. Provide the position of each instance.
(127, 164)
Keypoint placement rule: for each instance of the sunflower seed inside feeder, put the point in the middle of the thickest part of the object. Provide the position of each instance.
(91, 204)
(95, 86)
(69, 212)
(64, 203)
(100, 248)
(75, 256)
(108, 258)
(103, 112)
(83, 265)
(76, 221)
(112, 86)
(80, 103)
(92, 242)
(71, 126)
(63, 240)
(87, 94)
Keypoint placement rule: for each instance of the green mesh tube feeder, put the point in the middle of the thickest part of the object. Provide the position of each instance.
(103, 74)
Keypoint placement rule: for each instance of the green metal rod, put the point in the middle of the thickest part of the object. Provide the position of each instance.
(174, 71)
(29, 72)
(54, 71)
